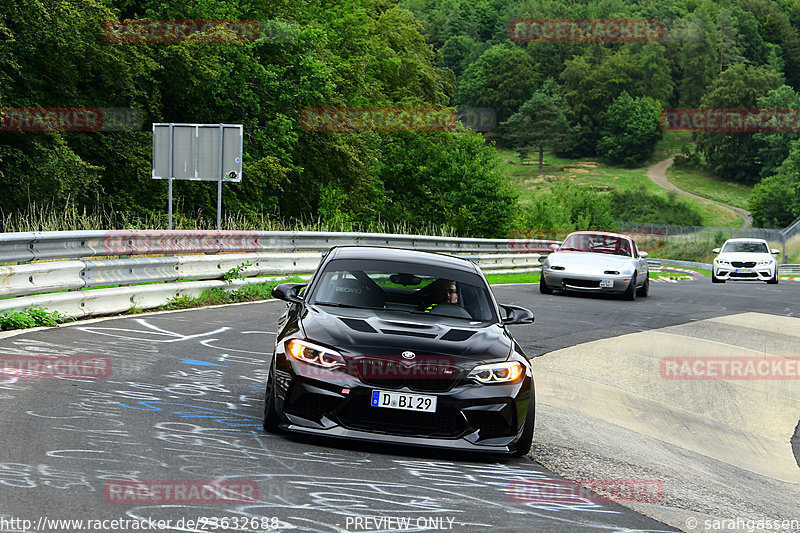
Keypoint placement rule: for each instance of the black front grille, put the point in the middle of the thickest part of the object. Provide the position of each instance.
(359, 414)
(587, 283)
(743, 264)
(418, 376)
(744, 275)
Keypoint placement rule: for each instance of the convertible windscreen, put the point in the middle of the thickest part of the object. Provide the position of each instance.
(597, 243)
(747, 247)
(404, 287)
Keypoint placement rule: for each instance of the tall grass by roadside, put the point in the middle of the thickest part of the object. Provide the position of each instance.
(51, 217)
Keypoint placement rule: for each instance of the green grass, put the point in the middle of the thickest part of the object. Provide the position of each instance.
(219, 296)
(51, 217)
(793, 250)
(698, 270)
(599, 177)
(708, 186)
(668, 275)
(497, 279)
(583, 172)
(669, 145)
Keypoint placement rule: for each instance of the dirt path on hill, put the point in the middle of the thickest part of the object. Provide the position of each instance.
(658, 175)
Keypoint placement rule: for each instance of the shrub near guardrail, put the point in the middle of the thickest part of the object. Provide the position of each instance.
(31, 317)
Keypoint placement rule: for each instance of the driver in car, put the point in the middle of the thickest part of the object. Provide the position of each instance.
(444, 292)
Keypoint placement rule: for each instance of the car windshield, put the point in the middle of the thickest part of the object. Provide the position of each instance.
(598, 243)
(403, 287)
(745, 246)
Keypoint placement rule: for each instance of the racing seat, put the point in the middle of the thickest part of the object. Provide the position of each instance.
(354, 292)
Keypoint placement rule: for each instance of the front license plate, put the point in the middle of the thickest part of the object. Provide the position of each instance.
(400, 400)
(607, 283)
(742, 270)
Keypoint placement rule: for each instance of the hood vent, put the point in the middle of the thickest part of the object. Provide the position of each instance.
(408, 333)
(457, 335)
(358, 325)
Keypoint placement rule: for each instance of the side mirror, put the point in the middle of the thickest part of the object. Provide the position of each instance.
(554, 247)
(288, 292)
(517, 315)
(716, 250)
(774, 251)
(643, 255)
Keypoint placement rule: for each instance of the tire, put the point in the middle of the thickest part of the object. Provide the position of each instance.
(775, 279)
(644, 290)
(526, 440)
(271, 419)
(543, 288)
(715, 279)
(630, 292)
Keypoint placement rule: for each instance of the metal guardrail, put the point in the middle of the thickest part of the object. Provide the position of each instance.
(148, 282)
(783, 270)
(49, 245)
(36, 283)
(789, 270)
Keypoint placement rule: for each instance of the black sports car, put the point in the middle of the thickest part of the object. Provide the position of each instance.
(401, 346)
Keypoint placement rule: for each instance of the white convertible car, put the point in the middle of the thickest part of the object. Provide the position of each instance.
(596, 261)
(745, 259)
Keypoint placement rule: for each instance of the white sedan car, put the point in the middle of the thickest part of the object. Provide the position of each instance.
(745, 259)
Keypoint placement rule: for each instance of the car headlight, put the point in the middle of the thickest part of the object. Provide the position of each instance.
(314, 354)
(762, 263)
(720, 262)
(507, 372)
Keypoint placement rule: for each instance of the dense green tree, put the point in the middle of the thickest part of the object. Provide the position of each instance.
(448, 178)
(775, 201)
(567, 207)
(540, 123)
(733, 155)
(773, 147)
(502, 78)
(593, 81)
(458, 52)
(698, 57)
(631, 129)
(776, 27)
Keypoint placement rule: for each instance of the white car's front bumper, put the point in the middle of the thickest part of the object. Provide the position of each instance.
(726, 271)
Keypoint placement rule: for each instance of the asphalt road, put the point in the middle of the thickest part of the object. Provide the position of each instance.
(183, 402)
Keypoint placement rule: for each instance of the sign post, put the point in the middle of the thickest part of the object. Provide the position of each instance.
(198, 152)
